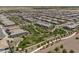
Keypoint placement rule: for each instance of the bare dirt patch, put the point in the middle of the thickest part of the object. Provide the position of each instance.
(70, 43)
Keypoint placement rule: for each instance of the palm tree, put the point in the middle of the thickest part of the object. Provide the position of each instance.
(71, 51)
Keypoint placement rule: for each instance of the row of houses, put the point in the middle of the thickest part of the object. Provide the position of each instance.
(5, 21)
(53, 17)
(10, 26)
(16, 31)
(8, 31)
(44, 24)
(47, 17)
(71, 25)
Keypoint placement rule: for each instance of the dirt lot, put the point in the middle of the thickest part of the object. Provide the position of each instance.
(70, 43)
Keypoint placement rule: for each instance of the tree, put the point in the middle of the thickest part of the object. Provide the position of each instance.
(10, 47)
(38, 46)
(23, 37)
(64, 51)
(16, 48)
(49, 52)
(61, 46)
(71, 51)
(77, 38)
(26, 50)
(56, 49)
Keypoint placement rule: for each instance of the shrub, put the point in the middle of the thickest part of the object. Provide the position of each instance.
(49, 52)
(61, 46)
(64, 51)
(71, 51)
(56, 49)
(77, 38)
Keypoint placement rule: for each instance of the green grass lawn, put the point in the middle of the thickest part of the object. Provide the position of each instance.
(59, 31)
(30, 40)
(37, 35)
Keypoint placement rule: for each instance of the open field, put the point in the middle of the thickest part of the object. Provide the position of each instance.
(69, 44)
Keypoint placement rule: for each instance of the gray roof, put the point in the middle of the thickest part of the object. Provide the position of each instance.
(17, 31)
(44, 23)
(2, 35)
(71, 25)
(5, 20)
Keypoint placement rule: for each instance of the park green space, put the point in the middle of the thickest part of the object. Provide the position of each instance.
(59, 31)
(37, 35)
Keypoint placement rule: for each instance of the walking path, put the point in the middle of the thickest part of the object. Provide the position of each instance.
(54, 42)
